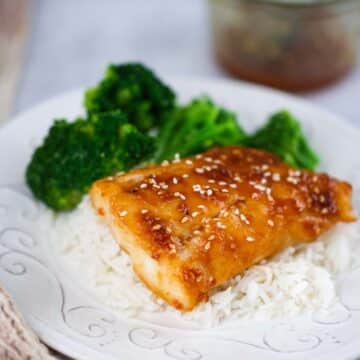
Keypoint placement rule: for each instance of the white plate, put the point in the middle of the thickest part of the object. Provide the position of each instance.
(69, 320)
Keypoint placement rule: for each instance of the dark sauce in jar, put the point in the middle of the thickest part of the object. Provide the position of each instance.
(289, 47)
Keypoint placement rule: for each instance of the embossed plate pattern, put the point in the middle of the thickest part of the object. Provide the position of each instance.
(68, 319)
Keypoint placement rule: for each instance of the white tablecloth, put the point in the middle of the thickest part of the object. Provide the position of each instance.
(72, 41)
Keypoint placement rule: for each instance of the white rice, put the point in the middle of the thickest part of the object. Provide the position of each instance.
(298, 281)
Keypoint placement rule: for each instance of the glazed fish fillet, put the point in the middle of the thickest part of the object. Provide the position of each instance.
(192, 224)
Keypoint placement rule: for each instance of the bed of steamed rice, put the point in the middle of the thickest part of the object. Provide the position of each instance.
(297, 281)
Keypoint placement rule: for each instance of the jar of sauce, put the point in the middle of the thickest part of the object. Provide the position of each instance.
(294, 45)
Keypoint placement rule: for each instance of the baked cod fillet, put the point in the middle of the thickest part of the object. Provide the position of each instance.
(192, 224)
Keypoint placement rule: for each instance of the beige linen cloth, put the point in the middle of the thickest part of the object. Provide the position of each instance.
(17, 340)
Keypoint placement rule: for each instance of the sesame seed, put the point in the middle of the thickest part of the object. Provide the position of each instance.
(259, 187)
(208, 159)
(123, 213)
(220, 225)
(143, 186)
(276, 177)
(185, 176)
(188, 162)
(236, 211)
(209, 192)
(217, 161)
(267, 174)
(237, 178)
(263, 181)
(199, 170)
(211, 181)
(120, 173)
(270, 222)
(207, 246)
(180, 195)
(196, 187)
(144, 211)
(156, 227)
(322, 198)
(325, 211)
(165, 163)
(203, 207)
(175, 180)
(194, 213)
(199, 156)
(249, 238)
(294, 172)
(196, 232)
(164, 186)
(224, 190)
(211, 237)
(292, 180)
(184, 219)
(172, 249)
(233, 186)
(244, 219)
(222, 183)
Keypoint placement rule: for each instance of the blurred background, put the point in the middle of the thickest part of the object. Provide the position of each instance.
(51, 46)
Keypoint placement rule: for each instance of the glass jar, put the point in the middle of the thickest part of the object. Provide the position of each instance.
(290, 44)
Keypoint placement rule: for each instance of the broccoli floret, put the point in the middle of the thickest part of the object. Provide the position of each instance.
(73, 155)
(196, 127)
(283, 136)
(135, 90)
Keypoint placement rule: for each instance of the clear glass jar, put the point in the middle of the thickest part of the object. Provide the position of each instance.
(290, 44)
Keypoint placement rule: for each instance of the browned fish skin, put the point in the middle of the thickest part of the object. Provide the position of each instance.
(192, 224)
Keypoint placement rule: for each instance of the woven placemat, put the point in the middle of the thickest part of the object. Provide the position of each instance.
(17, 340)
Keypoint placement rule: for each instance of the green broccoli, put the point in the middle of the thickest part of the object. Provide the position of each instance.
(135, 90)
(196, 127)
(75, 154)
(283, 136)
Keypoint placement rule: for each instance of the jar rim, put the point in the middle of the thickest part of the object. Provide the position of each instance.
(301, 3)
